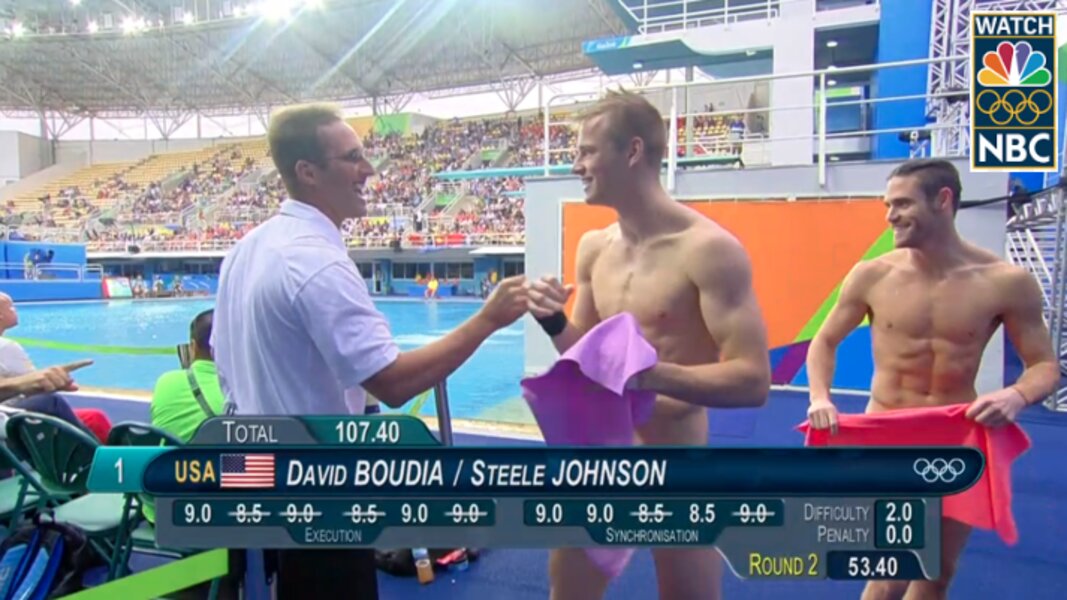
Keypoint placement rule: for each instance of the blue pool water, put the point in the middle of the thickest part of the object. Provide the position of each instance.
(487, 379)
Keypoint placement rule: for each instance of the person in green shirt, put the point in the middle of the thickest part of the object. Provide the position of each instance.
(185, 398)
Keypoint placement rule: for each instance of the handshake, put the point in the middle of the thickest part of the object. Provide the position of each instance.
(515, 296)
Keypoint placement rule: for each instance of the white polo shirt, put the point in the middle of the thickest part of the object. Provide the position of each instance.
(294, 325)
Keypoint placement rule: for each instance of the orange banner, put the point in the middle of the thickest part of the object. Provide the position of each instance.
(800, 251)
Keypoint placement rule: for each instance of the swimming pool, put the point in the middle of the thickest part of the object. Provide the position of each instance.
(476, 391)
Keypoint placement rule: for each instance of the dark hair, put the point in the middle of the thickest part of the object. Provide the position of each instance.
(200, 329)
(293, 136)
(934, 175)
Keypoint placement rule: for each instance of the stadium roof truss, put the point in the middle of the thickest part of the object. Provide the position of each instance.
(357, 52)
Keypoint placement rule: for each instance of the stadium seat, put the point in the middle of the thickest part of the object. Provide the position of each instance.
(62, 456)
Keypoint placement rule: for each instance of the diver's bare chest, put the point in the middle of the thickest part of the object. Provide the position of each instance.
(654, 292)
(961, 309)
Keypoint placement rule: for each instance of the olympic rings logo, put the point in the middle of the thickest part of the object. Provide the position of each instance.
(939, 469)
(1015, 104)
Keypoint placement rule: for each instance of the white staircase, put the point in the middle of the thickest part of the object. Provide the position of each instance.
(1036, 241)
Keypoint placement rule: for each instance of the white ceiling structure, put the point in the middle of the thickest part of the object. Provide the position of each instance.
(168, 60)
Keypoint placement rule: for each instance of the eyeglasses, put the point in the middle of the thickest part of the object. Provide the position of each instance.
(355, 156)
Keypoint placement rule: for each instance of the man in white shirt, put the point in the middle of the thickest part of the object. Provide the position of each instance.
(13, 359)
(296, 332)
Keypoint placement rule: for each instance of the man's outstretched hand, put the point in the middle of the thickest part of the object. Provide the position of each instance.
(51, 379)
(547, 296)
(506, 304)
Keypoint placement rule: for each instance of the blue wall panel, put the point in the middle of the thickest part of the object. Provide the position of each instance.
(903, 34)
(39, 291)
(855, 365)
(14, 253)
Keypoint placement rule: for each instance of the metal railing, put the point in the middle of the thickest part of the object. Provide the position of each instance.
(409, 240)
(173, 245)
(769, 145)
(54, 271)
(1036, 241)
(444, 413)
(441, 240)
(51, 234)
(674, 15)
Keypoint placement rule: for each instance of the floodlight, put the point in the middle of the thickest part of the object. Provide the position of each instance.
(275, 10)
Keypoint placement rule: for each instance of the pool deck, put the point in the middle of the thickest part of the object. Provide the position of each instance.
(512, 418)
(202, 297)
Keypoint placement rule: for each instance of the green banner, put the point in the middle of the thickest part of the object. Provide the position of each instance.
(386, 124)
(95, 348)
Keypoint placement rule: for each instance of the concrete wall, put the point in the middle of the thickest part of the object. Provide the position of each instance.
(794, 52)
(102, 151)
(984, 226)
(419, 123)
(22, 155)
(34, 154)
(9, 156)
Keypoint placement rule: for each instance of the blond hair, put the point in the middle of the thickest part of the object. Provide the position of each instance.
(629, 115)
(293, 136)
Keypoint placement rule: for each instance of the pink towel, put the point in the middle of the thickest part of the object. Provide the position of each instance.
(583, 401)
(986, 504)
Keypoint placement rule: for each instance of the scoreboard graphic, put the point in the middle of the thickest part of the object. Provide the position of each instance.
(384, 481)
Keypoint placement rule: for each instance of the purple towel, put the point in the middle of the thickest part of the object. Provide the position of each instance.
(583, 401)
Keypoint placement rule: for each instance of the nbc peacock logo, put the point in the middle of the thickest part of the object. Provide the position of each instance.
(1014, 65)
(1013, 106)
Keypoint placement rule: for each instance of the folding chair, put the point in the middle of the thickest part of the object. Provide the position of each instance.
(19, 492)
(61, 456)
(143, 536)
(131, 433)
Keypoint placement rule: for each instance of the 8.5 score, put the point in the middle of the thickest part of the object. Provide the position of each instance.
(367, 431)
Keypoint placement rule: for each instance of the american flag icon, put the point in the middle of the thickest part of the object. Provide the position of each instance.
(247, 471)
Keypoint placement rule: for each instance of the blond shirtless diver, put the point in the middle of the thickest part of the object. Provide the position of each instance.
(933, 304)
(688, 282)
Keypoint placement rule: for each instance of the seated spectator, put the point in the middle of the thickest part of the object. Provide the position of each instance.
(184, 398)
(33, 390)
(13, 359)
